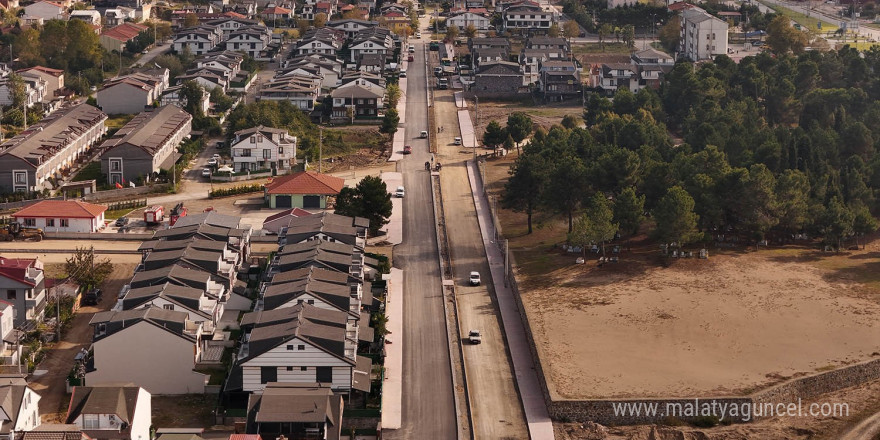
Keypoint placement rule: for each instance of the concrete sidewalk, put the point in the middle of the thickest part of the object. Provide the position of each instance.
(394, 228)
(392, 387)
(540, 425)
(468, 134)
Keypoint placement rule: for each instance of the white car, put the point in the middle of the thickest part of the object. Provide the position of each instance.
(206, 172)
(212, 162)
(457, 141)
(475, 337)
(400, 193)
(474, 278)
(418, 35)
(424, 134)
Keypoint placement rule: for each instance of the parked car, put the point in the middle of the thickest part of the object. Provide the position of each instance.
(424, 134)
(410, 58)
(475, 337)
(212, 162)
(400, 193)
(457, 141)
(412, 48)
(206, 172)
(418, 35)
(402, 74)
(474, 278)
(122, 221)
(91, 298)
(407, 149)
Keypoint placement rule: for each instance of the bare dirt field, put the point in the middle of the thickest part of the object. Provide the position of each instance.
(544, 115)
(724, 326)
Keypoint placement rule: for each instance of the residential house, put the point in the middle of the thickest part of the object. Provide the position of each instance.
(229, 24)
(326, 226)
(8, 4)
(34, 89)
(197, 40)
(264, 148)
(371, 62)
(560, 79)
(45, 10)
(330, 69)
(331, 255)
(398, 22)
(52, 78)
(489, 42)
(10, 345)
(274, 14)
(532, 59)
(52, 431)
(326, 78)
(214, 257)
(359, 99)
(652, 66)
(118, 15)
(62, 216)
(145, 145)
(351, 26)
(47, 149)
(329, 9)
(200, 308)
(275, 222)
(322, 41)
(305, 189)
(307, 12)
(295, 410)
(557, 45)
(464, 19)
(362, 79)
(131, 94)
(371, 41)
(211, 226)
(117, 37)
(127, 343)
(208, 78)
(616, 75)
(112, 412)
(498, 78)
(229, 62)
(302, 343)
(396, 7)
(19, 404)
(703, 36)
(299, 90)
(23, 284)
(253, 40)
(89, 16)
(182, 274)
(528, 16)
(174, 96)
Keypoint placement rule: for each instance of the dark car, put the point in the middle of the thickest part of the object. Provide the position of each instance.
(91, 298)
(122, 221)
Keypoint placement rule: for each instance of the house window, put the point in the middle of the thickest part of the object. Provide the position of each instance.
(267, 154)
(299, 301)
(168, 306)
(91, 421)
(324, 374)
(290, 347)
(360, 101)
(30, 222)
(303, 368)
(115, 164)
(312, 302)
(301, 347)
(280, 150)
(65, 223)
(11, 294)
(50, 222)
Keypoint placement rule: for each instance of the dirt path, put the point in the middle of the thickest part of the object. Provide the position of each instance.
(867, 429)
(59, 359)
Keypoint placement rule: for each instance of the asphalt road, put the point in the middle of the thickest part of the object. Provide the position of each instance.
(427, 409)
(495, 404)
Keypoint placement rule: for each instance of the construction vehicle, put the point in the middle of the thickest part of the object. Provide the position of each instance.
(154, 215)
(176, 213)
(15, 231)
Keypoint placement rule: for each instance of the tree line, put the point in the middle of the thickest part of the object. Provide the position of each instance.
(764, 149)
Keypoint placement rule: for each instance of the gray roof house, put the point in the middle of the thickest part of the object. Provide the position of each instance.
(18, 404)
(498, 78)
(145, 145)
(23, 285)
(295, 410)
(326, 226)
(111, 412)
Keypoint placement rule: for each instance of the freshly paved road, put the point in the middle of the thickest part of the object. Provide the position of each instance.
(495, 404)
(428, 407)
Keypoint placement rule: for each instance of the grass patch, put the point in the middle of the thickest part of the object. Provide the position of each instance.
(117, 122)
(217, 375)
(116, 213)
(609, 47)
(92, 171)
(185, 411)
(808, 22)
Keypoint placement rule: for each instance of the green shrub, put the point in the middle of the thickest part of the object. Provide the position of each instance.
(236, 190)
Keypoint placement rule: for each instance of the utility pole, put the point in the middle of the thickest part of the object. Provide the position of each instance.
(320, 147)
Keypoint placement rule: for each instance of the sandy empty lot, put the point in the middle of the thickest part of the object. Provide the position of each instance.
(722, 326)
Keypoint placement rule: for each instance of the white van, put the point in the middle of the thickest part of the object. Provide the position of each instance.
(412, 48)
